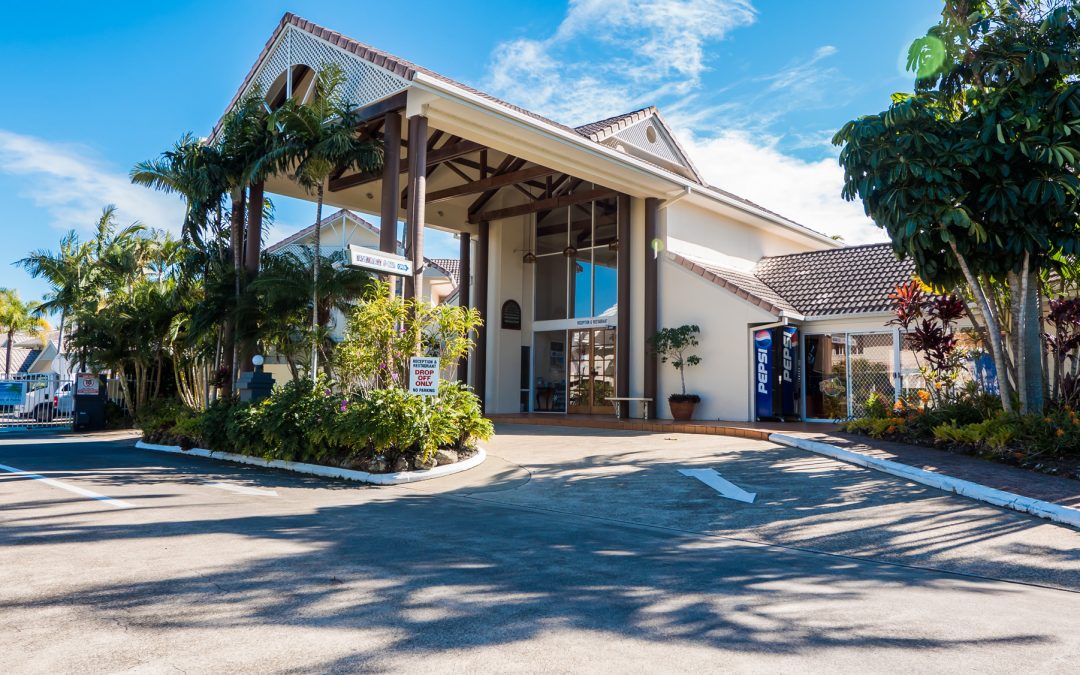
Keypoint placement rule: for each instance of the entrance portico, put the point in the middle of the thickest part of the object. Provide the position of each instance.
(571, 225)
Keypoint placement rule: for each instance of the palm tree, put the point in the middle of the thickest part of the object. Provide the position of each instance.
(316, 138)
(17, 316)
(65, 271)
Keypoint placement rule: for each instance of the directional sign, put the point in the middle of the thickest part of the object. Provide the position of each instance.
(386, 263)
(724, 487)
(424, 375)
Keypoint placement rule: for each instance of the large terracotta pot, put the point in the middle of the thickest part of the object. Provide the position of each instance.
(682, 410)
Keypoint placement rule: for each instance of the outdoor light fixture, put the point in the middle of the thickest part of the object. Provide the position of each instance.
(529, 258)
(257, 360)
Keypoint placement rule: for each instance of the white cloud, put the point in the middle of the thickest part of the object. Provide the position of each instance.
(807, 192)
(651, 48)
(72, 187)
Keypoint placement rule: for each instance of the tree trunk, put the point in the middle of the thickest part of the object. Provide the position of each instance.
(252, 249)
(1029, 343)
(993, 331)
(315, 286)
(60, 334)
(236, 244)
(7, 361)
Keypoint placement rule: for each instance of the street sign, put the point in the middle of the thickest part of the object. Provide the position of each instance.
(385, 263)
(87, 384)
(424, 375)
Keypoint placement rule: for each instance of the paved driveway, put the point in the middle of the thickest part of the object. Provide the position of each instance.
(567, 551)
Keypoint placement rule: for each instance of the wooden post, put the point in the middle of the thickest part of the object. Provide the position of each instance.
(388, 216)
(417, 153)
(652, 219)
(464, 272)
(622, 329)
(481, 302)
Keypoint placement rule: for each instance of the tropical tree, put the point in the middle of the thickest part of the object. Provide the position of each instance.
(18, 317)
(314, 139)
(974, 174)
(67, 274)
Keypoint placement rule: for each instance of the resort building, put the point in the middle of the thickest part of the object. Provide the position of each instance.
(578, 244)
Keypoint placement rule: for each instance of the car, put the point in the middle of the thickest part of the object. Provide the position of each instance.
(61, 405)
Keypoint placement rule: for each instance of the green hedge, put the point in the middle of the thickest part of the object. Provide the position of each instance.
(377, 430)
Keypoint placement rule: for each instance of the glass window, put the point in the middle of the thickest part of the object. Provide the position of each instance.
(581, 278)
(549, 368)
(551, 232)
(550, 287)
(605, 281)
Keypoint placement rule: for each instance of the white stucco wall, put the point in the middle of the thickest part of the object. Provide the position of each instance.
(510, 279)
(723, 377)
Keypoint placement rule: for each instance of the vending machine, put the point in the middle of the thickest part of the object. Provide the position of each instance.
(776, 373)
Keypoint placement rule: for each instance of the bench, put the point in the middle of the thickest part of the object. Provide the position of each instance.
(618, 399)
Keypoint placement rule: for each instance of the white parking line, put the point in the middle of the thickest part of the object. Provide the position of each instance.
(243, 489)
(117, 503)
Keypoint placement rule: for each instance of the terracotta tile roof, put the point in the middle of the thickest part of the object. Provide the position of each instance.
(836, 282)
(849, 280)
(743, 284)
(601, 129)
(450, 266)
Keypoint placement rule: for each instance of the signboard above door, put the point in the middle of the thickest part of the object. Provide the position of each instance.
(385, 263)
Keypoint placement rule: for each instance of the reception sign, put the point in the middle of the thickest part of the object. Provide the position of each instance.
(424, 376)
(385, 263)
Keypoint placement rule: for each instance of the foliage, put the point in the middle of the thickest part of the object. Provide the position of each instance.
(929, 323)
(384, 331)
(974, 175)
(877, 406)
(674, 345)
(1062, 343)
(18, 318)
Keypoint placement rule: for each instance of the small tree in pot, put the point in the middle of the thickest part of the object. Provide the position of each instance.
(673, 344)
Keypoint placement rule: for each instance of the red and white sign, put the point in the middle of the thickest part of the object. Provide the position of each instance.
(424, 375)
(87, 384)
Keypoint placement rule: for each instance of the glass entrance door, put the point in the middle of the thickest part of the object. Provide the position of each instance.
(590, 371)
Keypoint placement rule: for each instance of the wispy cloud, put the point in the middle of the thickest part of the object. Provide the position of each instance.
(72, 187)
(652, 49)
(612, 56)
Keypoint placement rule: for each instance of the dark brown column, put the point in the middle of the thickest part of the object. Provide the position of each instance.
(652, 220)
(390, 187)
(464, 271)
(417, 154)
(252, 250)
(622, 330)
(480, 301)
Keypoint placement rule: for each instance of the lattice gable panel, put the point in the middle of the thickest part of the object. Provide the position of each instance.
(663, 147)
(365, 82)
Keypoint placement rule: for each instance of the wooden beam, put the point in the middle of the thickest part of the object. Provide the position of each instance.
(388, 217)
(417, 189)
(649, 310)
(485, 184)
(622, 307)
(443, 154)
(509, 163)
(367, 113)
(464, 272)
(480, 301)
(542, 205)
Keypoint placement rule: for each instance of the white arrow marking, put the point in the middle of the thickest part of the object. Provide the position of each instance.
(717, 482)
(244, 490)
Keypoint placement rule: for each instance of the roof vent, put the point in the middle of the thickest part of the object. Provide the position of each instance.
(650, 133)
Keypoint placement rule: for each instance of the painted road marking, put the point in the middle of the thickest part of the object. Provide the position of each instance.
(117, 503)
(243, 489)
(726, 488)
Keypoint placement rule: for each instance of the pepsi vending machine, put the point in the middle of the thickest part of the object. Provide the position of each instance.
(776, 370)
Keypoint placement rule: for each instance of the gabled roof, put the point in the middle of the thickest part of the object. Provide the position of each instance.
(25, 350)
(602, 129)
(323, 224)
(845, 281)
(660, 149)
(450, 266)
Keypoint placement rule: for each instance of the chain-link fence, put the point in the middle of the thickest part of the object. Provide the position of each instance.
(871, 369)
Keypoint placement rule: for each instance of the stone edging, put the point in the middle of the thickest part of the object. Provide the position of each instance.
(398, 478)
(1036, 507)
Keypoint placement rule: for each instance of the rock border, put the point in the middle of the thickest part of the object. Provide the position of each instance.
(398, 478)
(1036, 507)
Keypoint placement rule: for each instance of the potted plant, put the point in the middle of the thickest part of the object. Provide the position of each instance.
(673, 344)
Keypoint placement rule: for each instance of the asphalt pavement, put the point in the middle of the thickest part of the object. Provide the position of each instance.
(567, 551)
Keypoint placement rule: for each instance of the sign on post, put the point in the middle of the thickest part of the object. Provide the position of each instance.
(87, 384)
(386, 263)
(424, 375)
(12, 392)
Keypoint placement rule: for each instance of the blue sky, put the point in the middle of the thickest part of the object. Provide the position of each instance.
(754, 89)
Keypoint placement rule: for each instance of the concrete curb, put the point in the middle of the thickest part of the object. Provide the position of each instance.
(399, 478)
(965, 488)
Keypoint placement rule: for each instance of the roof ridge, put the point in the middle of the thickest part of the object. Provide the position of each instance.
(826, 250)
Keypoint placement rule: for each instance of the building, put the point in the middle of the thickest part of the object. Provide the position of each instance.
(577, 244)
